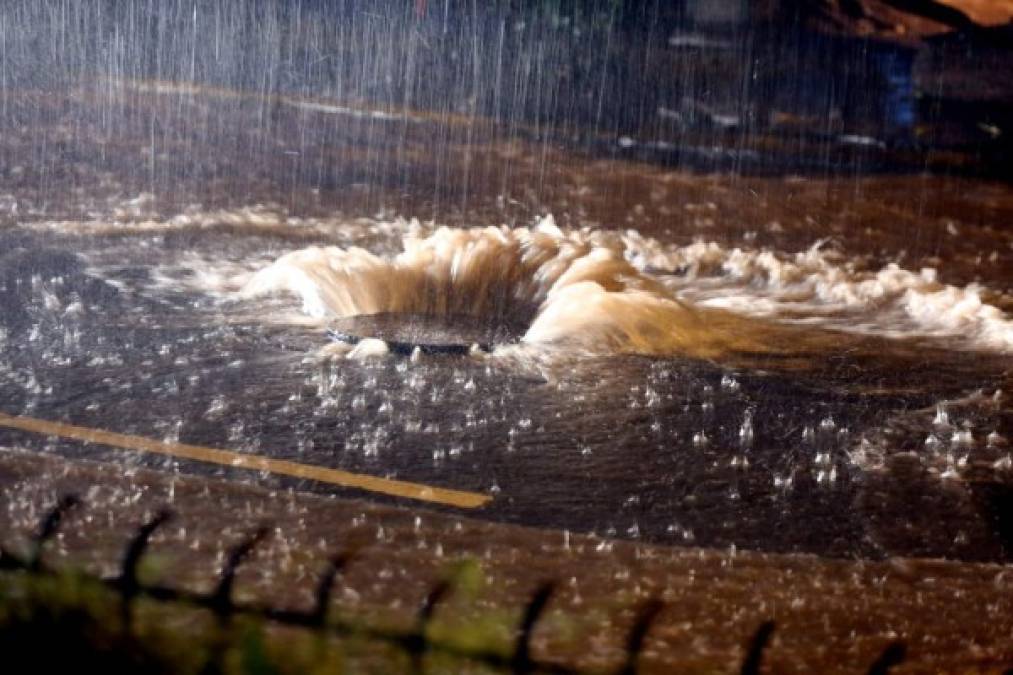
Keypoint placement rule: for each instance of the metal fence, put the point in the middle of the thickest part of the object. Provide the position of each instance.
(416, 642)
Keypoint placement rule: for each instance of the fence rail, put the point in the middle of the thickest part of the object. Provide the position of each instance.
(415, 642)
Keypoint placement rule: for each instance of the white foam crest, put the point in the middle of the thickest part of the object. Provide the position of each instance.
(603, 292)
(575, 289)
(815, 286)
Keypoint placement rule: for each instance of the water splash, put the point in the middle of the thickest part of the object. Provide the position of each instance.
(574, 290)
(587, 291)
(819, 286)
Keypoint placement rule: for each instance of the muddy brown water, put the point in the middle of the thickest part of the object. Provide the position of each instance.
(103, 328)
(106, 321)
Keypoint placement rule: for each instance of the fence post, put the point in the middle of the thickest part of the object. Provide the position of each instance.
(48, 527)
(326, 586)
(893, 655)
(754, 657)
(417, 643)
(221, 597)
(635, 641)
(127, 583)
(521, 661)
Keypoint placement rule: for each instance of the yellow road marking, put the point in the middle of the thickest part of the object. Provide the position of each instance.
(396, 488)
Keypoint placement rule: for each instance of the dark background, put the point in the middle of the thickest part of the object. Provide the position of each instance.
(806, 78)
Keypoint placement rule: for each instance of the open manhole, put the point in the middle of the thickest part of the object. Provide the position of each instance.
(431, 334)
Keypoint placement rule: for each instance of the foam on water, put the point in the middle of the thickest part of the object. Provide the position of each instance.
(598, 292)
(588, 291)
(575, 289)
(813, 287)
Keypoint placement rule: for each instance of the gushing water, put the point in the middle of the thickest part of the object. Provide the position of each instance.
(598, 292)
(721, 374)
(574, 290)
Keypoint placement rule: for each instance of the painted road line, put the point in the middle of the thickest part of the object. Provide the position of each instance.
(396, 488)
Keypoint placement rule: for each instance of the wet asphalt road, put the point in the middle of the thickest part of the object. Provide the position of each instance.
(647, 449)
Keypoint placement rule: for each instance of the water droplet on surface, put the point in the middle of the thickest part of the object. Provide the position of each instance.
(964, 437)
(746, 431)
(729, 383)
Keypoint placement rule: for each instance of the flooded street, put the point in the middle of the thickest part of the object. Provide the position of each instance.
(821, 387)
(459, 332)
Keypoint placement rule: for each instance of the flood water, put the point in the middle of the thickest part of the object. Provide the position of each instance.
(835, 415)
(793, 360)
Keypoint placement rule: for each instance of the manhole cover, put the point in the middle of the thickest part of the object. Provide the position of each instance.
(431, 334)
